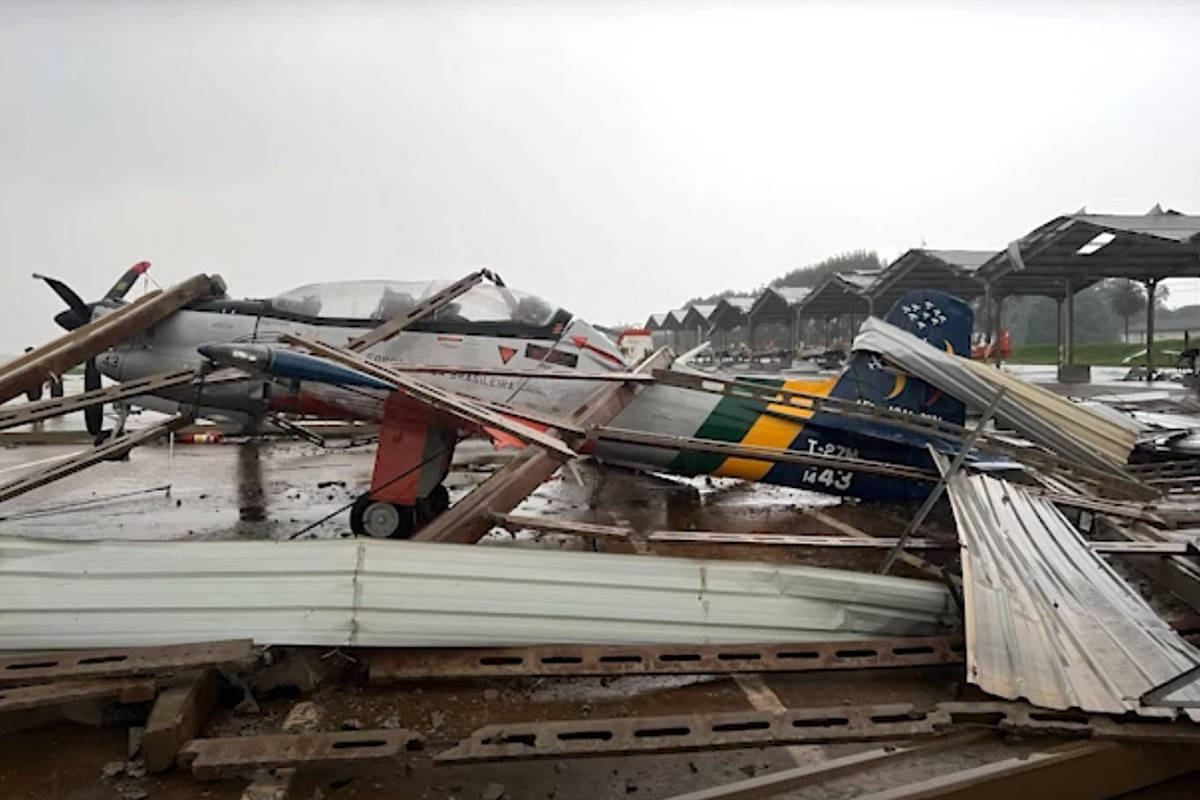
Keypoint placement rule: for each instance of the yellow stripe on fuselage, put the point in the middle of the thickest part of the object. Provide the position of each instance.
(771, 431)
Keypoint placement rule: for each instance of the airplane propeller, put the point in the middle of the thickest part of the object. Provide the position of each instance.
(78, 314)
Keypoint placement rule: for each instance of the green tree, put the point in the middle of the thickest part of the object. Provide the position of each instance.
(1126, 299)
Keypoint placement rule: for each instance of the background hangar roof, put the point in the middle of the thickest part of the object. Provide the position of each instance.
(730, 312)
(1086, 248)
(950, 271)
(778, 303)
(699, 315)
(840, 293)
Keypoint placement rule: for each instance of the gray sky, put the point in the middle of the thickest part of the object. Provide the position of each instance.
(615, 157)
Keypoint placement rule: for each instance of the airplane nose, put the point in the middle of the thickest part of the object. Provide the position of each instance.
(247, 356)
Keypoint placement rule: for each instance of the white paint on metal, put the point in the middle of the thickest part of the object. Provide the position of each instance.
(391, 593)
(1046, 618)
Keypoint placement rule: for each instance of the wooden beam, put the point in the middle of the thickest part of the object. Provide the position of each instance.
(758, 453)
(113, 448)
(423, 309)
(471, 517)
(456, 405)
(179, 714)
(52, 359)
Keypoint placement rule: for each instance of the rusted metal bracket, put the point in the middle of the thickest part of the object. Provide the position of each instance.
(212, 759)
(791, 726)
(388, 666)
(75, 664)
(691, 732)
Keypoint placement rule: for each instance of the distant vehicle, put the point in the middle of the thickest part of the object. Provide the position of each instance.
(982, 351)
(495, 336)
(635, 343)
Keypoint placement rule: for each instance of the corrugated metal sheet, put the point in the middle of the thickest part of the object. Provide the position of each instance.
(384, 593)
(791, 294)
(1062, 426)
(969, 260)
(1176, 227)
(1049, 620)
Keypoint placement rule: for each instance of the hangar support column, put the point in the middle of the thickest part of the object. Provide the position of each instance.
(1151, 289)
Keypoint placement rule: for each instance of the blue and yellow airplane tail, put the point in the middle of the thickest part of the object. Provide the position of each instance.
(941, 320)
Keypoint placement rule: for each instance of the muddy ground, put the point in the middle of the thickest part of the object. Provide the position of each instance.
(285, 489)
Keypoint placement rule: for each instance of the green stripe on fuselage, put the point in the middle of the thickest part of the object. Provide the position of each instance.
(729, 421)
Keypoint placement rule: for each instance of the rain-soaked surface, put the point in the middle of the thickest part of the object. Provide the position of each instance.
(286, 489)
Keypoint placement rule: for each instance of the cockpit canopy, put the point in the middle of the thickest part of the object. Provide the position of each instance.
(482, 307)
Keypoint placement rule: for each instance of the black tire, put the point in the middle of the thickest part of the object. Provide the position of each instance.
(433, 504)
(369, 517)
(439, 499)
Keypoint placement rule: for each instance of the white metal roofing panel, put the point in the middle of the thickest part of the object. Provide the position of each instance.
(390, 593)
(1052, 421)
(1049, 620)
(969, 260)
(1176, 227)
(859, 279)
(792, 294)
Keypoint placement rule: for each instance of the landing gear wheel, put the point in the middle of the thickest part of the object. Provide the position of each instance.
(435, 503)
(381, 520)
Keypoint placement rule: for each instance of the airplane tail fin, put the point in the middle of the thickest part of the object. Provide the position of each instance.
(941, 320)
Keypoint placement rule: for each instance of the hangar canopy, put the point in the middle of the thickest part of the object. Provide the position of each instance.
(840, 293)
(951, 271)
(1072, 252)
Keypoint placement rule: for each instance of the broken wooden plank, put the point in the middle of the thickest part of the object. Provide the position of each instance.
(83, 701)
(389, 328)
(515, 522)
(772, 455)
(776, 783)
(118, 662)
(52, 359)
(21, 698)
(796, 540)
(213, 759)
(914, 561)
(471, 517)
(179, 714)
(670, 659)
(459, 406)
(112, 448)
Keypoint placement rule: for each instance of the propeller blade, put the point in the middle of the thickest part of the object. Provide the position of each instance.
(80, 312)
(126, 281)
(93, 415)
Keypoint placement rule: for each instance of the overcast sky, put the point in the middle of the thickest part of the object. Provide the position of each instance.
(614, 157)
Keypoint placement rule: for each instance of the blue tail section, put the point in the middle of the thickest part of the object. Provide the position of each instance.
(944, 322)
(941, 320)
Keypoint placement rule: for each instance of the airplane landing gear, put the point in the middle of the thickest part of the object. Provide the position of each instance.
(381, 520)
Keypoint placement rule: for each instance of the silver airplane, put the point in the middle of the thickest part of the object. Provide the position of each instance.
(497, 329)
